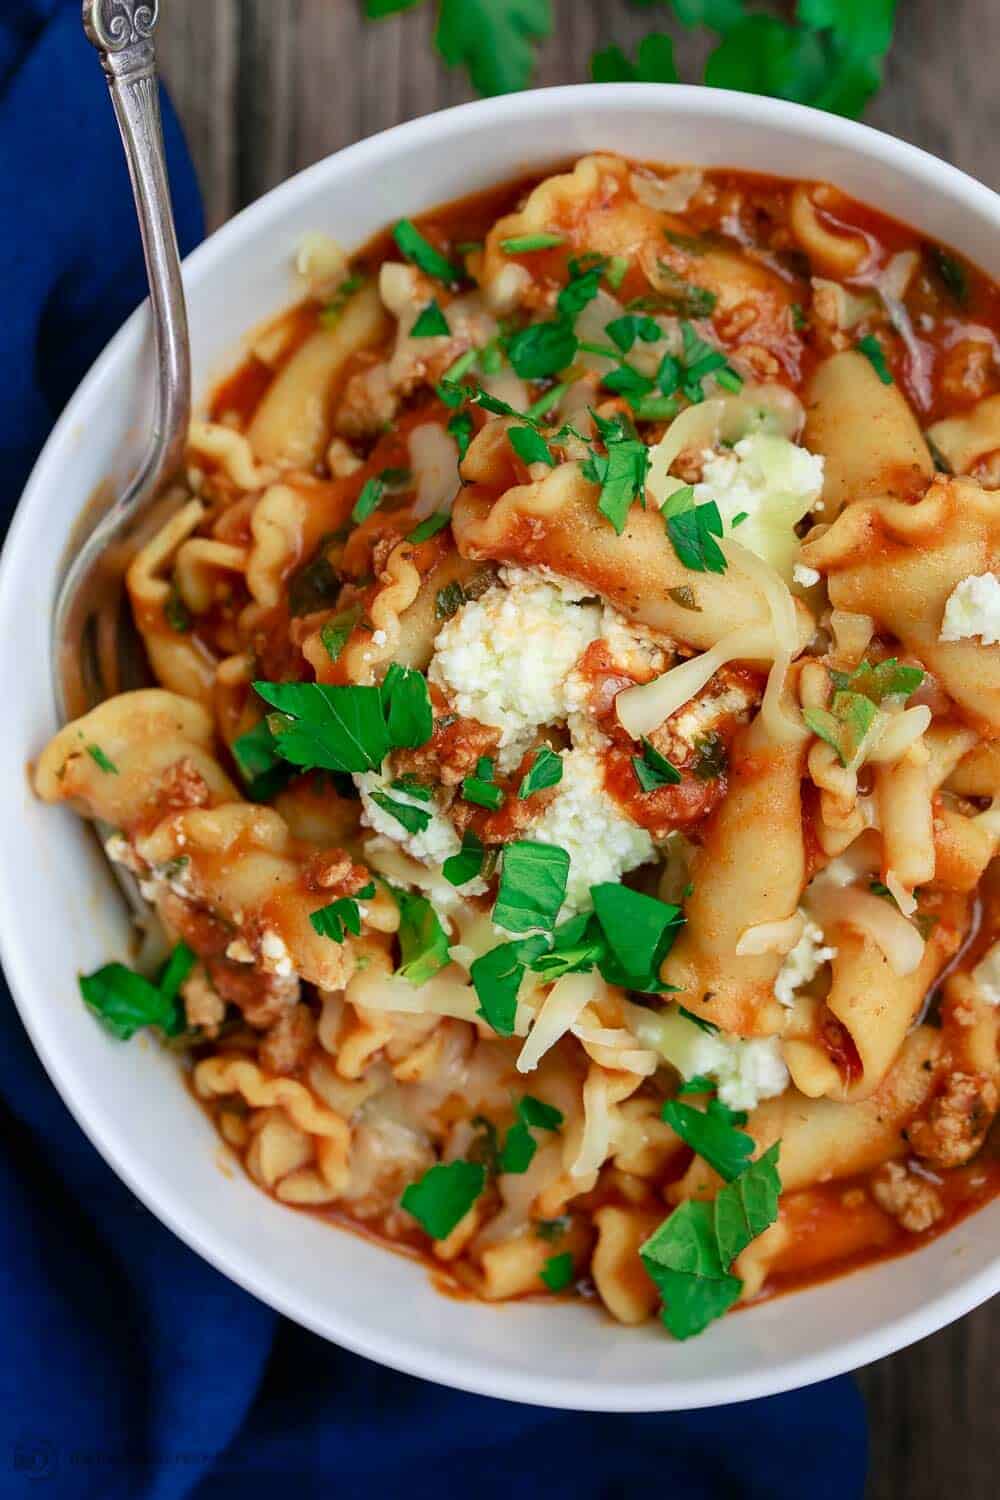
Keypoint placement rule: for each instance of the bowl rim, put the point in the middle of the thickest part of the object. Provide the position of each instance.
(402, 1352)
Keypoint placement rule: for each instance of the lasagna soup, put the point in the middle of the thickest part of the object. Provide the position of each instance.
(567, 784)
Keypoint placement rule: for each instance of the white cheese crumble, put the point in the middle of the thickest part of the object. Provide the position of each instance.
(436, 843)
(806, 578)
(773, 483)
(973, 608)
(601, 843)
(504, 658)
(275, 954)
(803, 963)
(987, 975)
(746, 1070)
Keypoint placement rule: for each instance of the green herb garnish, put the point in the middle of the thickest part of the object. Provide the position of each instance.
(334, 309)
(524, 244)
(430, 527)
(546, 770)
(423, 942)
(541, 350)
(461, 427)
(497, 977)
(416, 248)
(693, 535)
(443, 1196)
(340, 916)
(431, 323)
(872, 350)
(844, 725)
(468, 863)
(336, 632)
(530, 446)
(532, 886)
(653, 770)
(558, 1271)
(102, 761)
(877, 681)
(125, 1002)
(351, 728)
(520, 1146)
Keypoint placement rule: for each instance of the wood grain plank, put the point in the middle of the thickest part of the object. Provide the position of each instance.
(266, 87)
(197, 47)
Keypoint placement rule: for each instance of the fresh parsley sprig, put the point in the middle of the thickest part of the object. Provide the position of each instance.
(125, 1001)
(333, 728)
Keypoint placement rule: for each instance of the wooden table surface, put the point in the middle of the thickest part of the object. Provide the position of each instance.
(265, 87)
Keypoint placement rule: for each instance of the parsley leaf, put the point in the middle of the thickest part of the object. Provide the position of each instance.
(625, 330)
(577, 944)
(653, 770)
(558, 1271)
(125, 1001)
(369, 500)
(530, 446)
(336, 632)
(748, 1206)
(431, 323)
(340, 916)
(621, 475)
(413, 819)
(711, 1135)
(532, 886)
(468, 863)
(710, 761)
(877, 681)
(654, 63)
(461, 427)
(639, 931)
(520, 1146)
(584, 283)
(313, 586)
(416, 248)
(683, 298)
(481, 789)
(407, 704)
(692, 534)
(348, 728)
(423, 942)
(494, 39)
(546, 770)
(334, 309)
(449, 600)
(542, 349)
(443, 1196)
(263, 769)
(844, 725)
(497, 977)
(708, 1027)
(872, 350)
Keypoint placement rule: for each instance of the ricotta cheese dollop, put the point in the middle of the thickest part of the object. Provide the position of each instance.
(770, 482)
(973, 609)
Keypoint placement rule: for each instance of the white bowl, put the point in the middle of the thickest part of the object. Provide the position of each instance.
(61, 913)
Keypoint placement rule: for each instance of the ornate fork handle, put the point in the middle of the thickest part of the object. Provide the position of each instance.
(122, 32)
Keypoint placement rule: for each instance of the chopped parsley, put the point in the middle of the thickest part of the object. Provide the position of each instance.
(873, 352)
(844, 725)
(340, 916)
(423, 942)
(689, 1258)
(430, 527)
(546, 770)
(711, 1133)
(638, 931)
(558, 1271)
(104, 763)
(552, 1229)
(124, 1001)
(530, 446)
(684, 598)
(710, 760)
(464, 866)
(625, 330)
(683, 298)
(693, 535)
(496, 977)
(532, 886)
(481, 789)
(335, 633)
(413, 819)
(461, 427)
(524, 244)
(541, 350)
(416, 248)
(885, 679)
(431, 323)
(263, 770)
(708, 1027)
(621, 473)
(520, 1146)
(441, 1198)
(449, 600)
(653, 770)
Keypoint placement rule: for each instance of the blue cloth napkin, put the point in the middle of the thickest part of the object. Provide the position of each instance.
(129, 1367)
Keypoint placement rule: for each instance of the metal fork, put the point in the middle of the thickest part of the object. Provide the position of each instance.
(95, 647)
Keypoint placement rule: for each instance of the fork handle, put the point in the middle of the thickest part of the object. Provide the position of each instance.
(122, 31)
